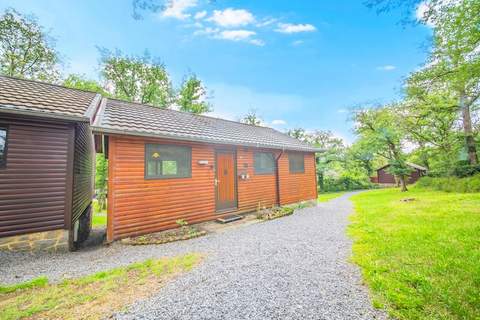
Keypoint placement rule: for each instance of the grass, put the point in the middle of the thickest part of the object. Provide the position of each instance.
(324, 197)
(99, 219)
(420, 258)
(91, 297)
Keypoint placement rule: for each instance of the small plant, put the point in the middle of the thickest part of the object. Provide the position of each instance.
(182, 222)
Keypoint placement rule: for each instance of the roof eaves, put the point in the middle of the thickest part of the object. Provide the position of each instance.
(15, 111)
(97, 128)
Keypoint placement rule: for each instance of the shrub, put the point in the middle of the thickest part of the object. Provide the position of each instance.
(451, 184)
(345, 183)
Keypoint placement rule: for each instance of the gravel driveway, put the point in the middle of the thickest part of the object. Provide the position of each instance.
(290, 268)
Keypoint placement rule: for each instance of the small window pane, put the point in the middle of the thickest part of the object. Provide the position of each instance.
(3, 146)
(167, 161)
(296, 163)
(264, 163)
(169, 167)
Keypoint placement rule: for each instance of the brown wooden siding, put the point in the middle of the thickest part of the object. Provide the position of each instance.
(260, 189)
(296, 187)
(82, 170)
(138, 206)
(33, 185)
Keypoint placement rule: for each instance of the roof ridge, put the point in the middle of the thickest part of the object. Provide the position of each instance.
(48, 84)
(193, 114)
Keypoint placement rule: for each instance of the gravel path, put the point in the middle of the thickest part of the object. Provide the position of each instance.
(290, 268)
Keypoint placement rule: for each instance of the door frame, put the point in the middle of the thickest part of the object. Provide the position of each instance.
(233, 152)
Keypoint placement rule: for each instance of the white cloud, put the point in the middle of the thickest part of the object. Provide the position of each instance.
(235, 35)
(420, 11)
(342, 110)
(266, 22)
(388, 67)
(279, 122)
(232, 17)
(200, 15)
(177, 9)
(297, 43)
(257, 42)
(294, 28)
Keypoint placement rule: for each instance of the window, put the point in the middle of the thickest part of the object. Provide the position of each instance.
(264, 163)
(296, 163)
(3, 147)
(167, 161)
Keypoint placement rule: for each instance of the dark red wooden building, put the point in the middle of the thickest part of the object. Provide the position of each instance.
(46, 164)
(385, 178)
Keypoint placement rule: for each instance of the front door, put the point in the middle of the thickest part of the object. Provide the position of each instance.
(225, 181)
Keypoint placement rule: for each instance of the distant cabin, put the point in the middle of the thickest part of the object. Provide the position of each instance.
(385, 178)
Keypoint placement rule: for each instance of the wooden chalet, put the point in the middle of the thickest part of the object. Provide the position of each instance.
(166, 165)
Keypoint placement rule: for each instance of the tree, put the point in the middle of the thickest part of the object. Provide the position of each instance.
(76, 81)
(379, 126)
(297, 133)
(101, 175)
(26, 50)
(454, 63)
(252, 118)
(193, 96)
(141, 79)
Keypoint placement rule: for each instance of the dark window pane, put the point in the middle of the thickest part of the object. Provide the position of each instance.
(3, 146)
(167, 161)
(296, 163)
(264, 163)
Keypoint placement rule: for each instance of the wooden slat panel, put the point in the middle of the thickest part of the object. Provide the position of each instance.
(137, 206)
(33, 185)
(82, 170)
(257, 191)
(296, 187)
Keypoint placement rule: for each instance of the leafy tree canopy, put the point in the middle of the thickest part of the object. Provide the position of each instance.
(192, 96)
(252, 118)
(76, 81)
(26, 50)
(141, 79)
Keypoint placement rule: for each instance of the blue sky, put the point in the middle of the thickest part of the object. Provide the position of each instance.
(298, 63)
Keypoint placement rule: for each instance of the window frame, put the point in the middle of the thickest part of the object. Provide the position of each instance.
(162, 177)
(3, 162)
(255, 167)
(296, 154)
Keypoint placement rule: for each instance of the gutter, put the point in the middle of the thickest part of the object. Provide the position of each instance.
(10, 110)
(102, 130)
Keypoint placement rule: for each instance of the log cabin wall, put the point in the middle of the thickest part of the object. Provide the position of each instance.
(259, 190)
(83, 170)
(137, 205)
(35, 184)
(296, 187)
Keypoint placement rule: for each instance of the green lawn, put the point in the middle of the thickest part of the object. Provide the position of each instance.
(420, 258)
(324, 197)
(99, 216)
(92, 297)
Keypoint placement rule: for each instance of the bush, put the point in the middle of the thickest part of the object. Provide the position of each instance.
(345, 183)
(451, 184)
(466, 170)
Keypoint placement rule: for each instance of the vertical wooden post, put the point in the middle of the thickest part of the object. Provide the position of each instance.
(110, 188)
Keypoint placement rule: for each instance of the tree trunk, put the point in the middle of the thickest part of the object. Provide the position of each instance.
(403, 183)
(468, 131)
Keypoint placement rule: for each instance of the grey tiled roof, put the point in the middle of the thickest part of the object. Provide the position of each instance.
(136, 119)
(42, 99)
